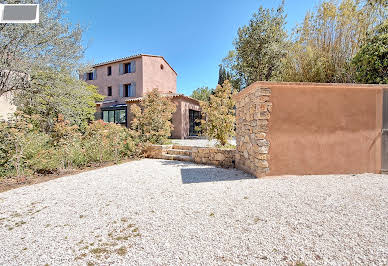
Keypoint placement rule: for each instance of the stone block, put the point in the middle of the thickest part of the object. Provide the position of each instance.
(265, 91)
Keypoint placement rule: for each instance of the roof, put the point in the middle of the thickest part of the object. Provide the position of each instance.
(172, 95)
(132, 57)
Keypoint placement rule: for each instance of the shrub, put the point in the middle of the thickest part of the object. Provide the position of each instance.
(152, 120)
(109, 142)
(25, 149)
(20, 143)
(218, 114)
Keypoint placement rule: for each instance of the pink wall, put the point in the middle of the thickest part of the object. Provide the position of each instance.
(148, 76)
(156, 77)
(104, 81)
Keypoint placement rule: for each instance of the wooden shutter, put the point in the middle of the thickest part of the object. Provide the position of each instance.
(133, 66)
(121, 69)
(133, 89)
(121, 90)
(94, 74)
(85, 76)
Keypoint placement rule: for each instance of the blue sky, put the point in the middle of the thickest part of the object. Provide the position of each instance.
(192, 35)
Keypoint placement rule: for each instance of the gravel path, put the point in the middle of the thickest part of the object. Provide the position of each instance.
(165, 212)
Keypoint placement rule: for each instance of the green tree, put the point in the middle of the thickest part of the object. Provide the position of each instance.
(327, 40)
(27, 48)
(202, 94)
(152, 120)
(223, 75)
(371, 61)
(218, 114)
(259, 47)
(52, 93)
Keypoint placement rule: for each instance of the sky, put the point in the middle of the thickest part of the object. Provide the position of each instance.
(192, 35)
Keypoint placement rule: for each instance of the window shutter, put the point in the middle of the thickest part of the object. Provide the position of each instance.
(85, 76)
(94, 74)
(121, 90)
(133, 66)
(133, 89)
(121, 69)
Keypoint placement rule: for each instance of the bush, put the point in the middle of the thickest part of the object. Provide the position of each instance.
(25, 149)
(20, 143)
(152, 120)
(219, 114)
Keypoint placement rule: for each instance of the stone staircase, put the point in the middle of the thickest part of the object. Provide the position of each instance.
(179, 153)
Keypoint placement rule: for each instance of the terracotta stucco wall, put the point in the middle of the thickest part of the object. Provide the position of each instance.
(156, 77)
(324, 128)
(104, 81)
(186, 106)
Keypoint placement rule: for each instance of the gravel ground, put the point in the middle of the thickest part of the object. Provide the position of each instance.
(165, 212)
(199, 142)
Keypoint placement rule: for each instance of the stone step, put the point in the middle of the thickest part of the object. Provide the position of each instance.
(176, 157)
(179, 152)
(181, 147)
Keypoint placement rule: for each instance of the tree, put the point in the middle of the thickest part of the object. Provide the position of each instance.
(52, 93)
(328, 39)
(371, 61)
(259, 47)
(218, 114)
(202, 94)
(152, 120)
(27, 48)
(223, 75)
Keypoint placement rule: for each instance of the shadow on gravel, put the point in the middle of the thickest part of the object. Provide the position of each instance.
(200, 175)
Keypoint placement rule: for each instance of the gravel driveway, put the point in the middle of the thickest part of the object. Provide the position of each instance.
(165, 212)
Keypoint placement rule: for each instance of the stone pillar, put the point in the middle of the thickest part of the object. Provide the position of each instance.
(253, 109)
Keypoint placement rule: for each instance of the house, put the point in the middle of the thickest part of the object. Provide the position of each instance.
(125, 81)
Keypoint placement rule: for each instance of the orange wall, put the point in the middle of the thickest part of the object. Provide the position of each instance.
(324, 128)
(156, 77)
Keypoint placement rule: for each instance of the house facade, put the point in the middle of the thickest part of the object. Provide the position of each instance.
(125, 81)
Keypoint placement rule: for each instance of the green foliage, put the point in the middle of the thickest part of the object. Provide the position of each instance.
(202, 94)
(371, 61)
(25, 48)
(259, 47)
(218, 114)
(25, 149)
(20, 141)
(110, 142)
(327, 40)
(223, 75)
(152, 120)
(57, 92)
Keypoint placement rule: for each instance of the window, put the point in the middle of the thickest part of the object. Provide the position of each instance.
(161, 66)
(115, 116)
(127, 68)
(109, 91)
(129, 90)
(109, 70)
(90, 76)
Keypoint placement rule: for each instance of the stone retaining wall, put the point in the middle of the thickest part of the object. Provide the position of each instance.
(214, 156)
(253, 110)
(156, 151)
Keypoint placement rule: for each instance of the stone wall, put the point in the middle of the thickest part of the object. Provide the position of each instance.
(214, 156)
(156, 151)
(203, 155)
(253, 109)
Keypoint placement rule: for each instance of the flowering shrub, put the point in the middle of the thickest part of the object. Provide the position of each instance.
(152, 120)
(25, 149)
